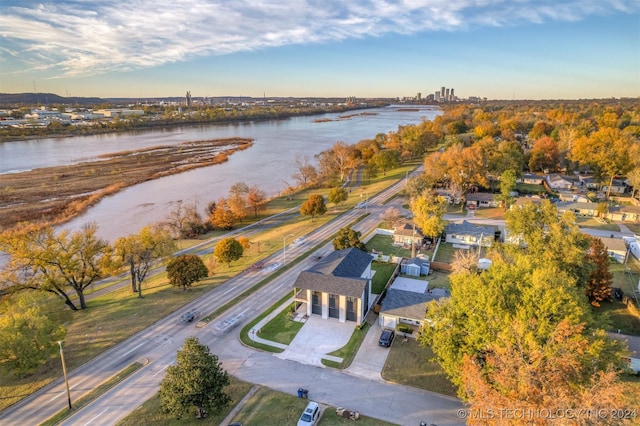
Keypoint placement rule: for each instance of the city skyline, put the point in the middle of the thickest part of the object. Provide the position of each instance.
(522, 50)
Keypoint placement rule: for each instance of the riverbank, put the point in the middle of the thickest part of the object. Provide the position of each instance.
(53, 195)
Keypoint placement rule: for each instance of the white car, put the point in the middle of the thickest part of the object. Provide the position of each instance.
(310, 415)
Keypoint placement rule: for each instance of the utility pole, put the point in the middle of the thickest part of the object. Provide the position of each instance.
(64, 371)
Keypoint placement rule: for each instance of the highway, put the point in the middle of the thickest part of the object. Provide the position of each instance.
(157, 345)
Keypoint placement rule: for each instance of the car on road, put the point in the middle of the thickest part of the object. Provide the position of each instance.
(310, 415)
(361, 205)
(386, 338)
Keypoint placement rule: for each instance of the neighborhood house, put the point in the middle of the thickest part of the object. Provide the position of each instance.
(466, 233)
(406, 301)
(338, 286)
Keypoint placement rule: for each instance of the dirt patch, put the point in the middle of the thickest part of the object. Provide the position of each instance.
(53, 195)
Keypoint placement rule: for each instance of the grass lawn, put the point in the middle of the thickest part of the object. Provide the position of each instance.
(269, 407)
(592, 222)
(382, 275)
(490, 213)
(282, 328)
(633, 227)
(384, 244)
(620, 317)
(527, 188)
(410, 364)
(149, 412)
(439, 279)
(626, 279)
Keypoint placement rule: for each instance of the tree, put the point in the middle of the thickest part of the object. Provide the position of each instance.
(507, 186)
(608, 151)
(306, 173)
(141, 250)
(598, 287)
(228, 250)
(386, 160)
(42, 260)
(314, 206)
(428, 211)
(338, 195)
(544, 154)
(197, 379)
(520, 334)
(185, 221)
(257, 199)
(392, 217)
(551, 239)
(28, 335)
(222, 217)
(337, 160)
(237, 200)
(185, 270)
(347, 237)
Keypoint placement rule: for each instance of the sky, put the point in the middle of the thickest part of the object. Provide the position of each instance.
(499, 49)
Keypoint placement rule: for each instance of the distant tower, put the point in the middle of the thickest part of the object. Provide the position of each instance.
(446, 95)
(188, 98)
(419, 96)
(453, 97)
(442, 92)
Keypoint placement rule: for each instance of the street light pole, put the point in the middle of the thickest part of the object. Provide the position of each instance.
(64, 371)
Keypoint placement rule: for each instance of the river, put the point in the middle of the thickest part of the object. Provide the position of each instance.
(269, 163)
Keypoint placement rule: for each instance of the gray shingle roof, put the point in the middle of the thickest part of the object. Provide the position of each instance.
(407, 304)
(467, 228)
(349, 263)
(338, 273)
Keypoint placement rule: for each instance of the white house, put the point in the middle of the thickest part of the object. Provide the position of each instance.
(531, 179)
(469, 234)
(560, 182)
(616, 248)
(338, 286)
(633, 342)
(482, 199)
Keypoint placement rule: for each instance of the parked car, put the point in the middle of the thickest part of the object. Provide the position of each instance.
(310, 415)
(386, 338)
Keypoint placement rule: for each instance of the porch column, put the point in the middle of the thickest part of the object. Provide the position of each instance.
(342, 309)
(309, 302)
(325, 305)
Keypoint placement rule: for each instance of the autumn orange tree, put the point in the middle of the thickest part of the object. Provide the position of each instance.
(598, 286)
(314, 206)
(608, 151)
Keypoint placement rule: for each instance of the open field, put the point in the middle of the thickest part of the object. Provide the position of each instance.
(57, 194)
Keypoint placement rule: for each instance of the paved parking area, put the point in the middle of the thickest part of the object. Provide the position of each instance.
(317, 338)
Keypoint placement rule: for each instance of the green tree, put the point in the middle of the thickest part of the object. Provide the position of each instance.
(228, 250)
(141, 250)
(521, 326)
(598, 287)
(197, 380)
(428, 211)
(40, 259)
(185, 270)
(347, 237)
(338, 195)
(386, 160)
(28, 335)
(507, 187)
(314, 206)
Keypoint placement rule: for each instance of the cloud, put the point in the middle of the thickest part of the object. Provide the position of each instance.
(84, 37)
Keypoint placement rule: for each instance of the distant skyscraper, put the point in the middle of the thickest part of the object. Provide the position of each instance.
(442, 92)
(453, 97)
(188, 96)
(446, 95)
(419, 96)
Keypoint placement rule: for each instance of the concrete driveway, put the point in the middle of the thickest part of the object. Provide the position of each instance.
(317, 338)
(371, 357)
